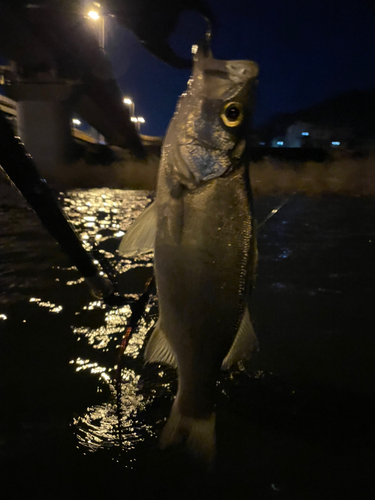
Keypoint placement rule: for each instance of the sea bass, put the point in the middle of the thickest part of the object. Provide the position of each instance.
(202, 229)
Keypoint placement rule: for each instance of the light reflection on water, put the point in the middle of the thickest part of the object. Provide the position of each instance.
(102, 216)
(33, 290)
(52, 308)
(115, 423)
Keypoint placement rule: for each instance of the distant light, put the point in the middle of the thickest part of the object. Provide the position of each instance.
(335, 143)
(134, 119)
(262, 144)
(194, 49)
(93, 15)
(305, 133)
(280, 143)
(141, 119)
(127, 101)
(76, 121)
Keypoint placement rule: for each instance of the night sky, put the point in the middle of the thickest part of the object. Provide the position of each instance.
(307, 50)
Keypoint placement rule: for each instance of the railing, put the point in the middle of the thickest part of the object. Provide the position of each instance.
(8, 106)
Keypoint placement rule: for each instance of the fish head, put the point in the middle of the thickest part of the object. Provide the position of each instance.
(208, 133)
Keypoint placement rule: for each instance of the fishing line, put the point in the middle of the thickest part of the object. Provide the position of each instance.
(138, 309)
(275, 211)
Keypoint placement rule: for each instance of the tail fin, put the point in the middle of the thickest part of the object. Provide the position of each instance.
(199, 434)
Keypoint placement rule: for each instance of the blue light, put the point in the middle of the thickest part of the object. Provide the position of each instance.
(305, 133)
(280, 143)
(335, 143)
(262, 144)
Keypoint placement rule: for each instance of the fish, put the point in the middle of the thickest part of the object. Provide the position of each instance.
(202, 230)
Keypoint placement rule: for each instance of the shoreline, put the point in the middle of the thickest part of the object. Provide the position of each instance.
(342, 175)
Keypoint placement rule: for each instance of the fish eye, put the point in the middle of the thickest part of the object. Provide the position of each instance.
(232, 114)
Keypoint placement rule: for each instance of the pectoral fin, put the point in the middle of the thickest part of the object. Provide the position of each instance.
(158, 349)
(140, 237)
(244, 343)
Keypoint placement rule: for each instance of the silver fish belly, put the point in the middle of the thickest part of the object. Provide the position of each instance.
(203, 255)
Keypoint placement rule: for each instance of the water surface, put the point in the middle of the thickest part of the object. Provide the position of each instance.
(296, 423)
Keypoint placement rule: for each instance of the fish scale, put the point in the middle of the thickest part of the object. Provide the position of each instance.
(203, 280)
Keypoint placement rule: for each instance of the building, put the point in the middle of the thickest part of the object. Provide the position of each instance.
(308, 135)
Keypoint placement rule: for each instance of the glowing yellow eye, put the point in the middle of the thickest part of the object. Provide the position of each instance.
(232, 114)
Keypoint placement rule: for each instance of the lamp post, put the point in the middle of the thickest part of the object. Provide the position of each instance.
(95, 16)
(131, 105)
(138, 121)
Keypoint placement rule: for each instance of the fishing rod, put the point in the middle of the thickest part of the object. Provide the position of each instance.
(22, 171)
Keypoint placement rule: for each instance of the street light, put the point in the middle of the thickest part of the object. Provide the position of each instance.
(95, 16)
(75, 121)
(138, 120)
(131, 105)
(141, 120)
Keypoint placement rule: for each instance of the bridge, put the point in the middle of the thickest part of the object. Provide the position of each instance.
(151, 144)
(8, 106)
(58, 66)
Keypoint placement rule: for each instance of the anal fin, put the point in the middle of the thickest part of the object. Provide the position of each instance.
(158, 349)
(244, 343)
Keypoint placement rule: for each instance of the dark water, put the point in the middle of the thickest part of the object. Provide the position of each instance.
(298, 423)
